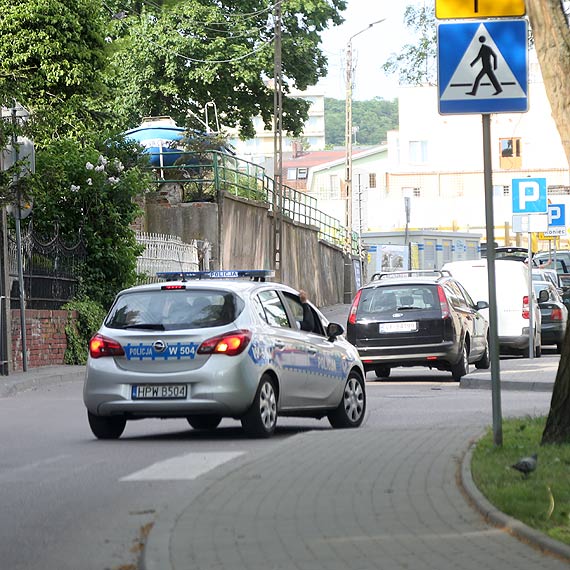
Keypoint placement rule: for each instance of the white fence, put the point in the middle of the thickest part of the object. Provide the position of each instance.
(166, 253)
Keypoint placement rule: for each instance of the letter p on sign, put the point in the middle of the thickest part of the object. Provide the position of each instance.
(557, 215)
(529, 196)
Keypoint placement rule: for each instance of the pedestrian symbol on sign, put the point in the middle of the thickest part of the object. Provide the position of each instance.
(486, 55)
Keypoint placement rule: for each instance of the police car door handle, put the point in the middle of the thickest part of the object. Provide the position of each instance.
(312, 351)
(279, 344)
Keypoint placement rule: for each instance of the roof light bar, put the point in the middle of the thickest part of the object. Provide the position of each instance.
(254, 274)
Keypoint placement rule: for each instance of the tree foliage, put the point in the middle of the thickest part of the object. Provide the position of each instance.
(173, 58)
(415, 64)
(373, 118)
(52, 56)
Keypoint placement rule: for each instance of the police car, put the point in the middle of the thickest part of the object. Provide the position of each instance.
(208, 345)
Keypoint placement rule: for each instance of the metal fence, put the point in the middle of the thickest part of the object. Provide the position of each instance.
(166, 253)
(203, 174)
(51, 270)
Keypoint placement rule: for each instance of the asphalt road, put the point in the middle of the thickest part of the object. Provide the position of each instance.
(70, 501)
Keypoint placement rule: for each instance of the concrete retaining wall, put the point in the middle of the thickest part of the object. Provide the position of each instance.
(246, 241)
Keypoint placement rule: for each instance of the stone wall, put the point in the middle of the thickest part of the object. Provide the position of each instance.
(45, 338)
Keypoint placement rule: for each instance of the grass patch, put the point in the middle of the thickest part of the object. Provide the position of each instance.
(542, 500)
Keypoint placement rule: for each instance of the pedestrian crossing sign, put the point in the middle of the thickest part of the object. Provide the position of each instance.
(483, 67)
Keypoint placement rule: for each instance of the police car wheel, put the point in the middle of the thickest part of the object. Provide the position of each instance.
(350, 411)
(204, 422)
(461, 367)
(261, 418)
(106, 427)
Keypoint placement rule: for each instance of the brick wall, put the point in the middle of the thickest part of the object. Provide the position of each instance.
(45, 338)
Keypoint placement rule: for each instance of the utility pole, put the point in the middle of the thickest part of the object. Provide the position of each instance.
(348, 128)
(277, 149)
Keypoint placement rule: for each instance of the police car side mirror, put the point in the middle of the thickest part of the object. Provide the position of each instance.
(482, 305)
(334, 330)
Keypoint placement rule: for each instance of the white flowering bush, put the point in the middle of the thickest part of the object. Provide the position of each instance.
(89, 191)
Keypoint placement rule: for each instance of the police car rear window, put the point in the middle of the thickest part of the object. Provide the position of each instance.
(174, 309)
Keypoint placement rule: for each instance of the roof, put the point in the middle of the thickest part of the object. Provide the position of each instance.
(316, 158)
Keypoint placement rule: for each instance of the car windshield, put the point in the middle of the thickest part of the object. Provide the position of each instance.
(397, 297)
(161, 309)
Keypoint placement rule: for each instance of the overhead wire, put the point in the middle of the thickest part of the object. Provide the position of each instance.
(219, 32)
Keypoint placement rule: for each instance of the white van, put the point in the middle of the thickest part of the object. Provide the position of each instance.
(511, 285)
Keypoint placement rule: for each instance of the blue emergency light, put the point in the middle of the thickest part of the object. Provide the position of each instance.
(253, 274)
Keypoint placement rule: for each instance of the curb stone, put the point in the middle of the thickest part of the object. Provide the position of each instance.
(501, 520)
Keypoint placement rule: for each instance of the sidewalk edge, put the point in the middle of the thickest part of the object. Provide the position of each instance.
(502, 520)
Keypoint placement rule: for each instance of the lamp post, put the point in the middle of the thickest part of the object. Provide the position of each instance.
(348, 131)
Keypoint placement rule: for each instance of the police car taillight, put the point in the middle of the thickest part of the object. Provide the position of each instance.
(100, 345)
(169, 287)
(354, 308)
(445, 312)
(231, 344)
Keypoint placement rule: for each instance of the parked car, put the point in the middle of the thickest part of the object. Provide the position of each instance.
(546, 259)
(554, 314)
(512, 292)
(201, 346)
(418, 318)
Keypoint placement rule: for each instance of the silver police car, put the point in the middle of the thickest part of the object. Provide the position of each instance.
(208, 345)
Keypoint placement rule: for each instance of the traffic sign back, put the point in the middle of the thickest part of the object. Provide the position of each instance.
(478, 8)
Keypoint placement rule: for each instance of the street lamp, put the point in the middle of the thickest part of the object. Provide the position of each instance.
(348, 131)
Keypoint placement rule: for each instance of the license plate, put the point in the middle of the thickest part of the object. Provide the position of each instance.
(408, 326)
(160, 392)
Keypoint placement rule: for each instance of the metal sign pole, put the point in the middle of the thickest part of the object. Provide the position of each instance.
(530, 301)
(493, 334)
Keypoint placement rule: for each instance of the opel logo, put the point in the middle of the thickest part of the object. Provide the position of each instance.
(159, 345)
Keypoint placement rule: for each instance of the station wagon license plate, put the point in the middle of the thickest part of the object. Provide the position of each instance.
(409, 326)
(160, 392)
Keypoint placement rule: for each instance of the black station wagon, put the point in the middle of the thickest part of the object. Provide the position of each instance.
(418, 318)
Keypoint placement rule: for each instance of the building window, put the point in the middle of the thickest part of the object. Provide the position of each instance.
(372, 180)
(416, 193)
(510, 153)
(291, 174)
(418, 151)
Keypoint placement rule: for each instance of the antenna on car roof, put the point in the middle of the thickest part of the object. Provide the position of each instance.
(181, 268)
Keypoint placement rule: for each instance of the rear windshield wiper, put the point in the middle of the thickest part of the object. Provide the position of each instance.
(148, 326)
(407, 308)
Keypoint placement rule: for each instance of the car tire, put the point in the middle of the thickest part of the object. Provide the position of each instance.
(461, 367)
(106, 427)
(350, 412)
(538, 350)
(207, 422)
(559, 348)
(485, 361)
(261, 418)
(382, 371)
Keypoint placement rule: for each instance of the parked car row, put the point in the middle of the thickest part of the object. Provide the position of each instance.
(439, 318)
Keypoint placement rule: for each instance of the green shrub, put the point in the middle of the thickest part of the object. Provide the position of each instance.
(89, 316)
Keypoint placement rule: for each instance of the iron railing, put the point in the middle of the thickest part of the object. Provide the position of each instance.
(203, 174)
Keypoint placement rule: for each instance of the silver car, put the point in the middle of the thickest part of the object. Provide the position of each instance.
(208, 348)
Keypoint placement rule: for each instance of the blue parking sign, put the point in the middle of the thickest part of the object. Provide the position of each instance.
(556, 215)
(529, 196)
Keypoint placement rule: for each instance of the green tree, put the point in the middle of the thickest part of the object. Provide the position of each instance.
(52, 55)
(373, 118)
(416, 62)
(174, 58)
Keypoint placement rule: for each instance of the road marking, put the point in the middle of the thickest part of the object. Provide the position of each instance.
(184, 467)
